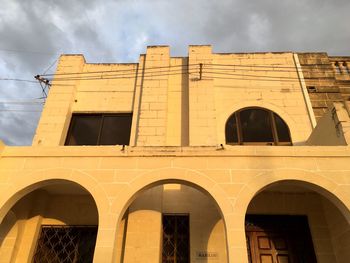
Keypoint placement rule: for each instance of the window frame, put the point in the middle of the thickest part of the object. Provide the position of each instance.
(273, 128)
(187, 215)
(102, 116)
(43, 233)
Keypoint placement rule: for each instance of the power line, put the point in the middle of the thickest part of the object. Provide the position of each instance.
(50, 66)
(117, 71)
(28, 51)
(215, 69)
(24, 111)
(241, 76)
(22, 102)
(269, 66)
(123, 75)
(15, 79)
(235, 68)
(274, 68)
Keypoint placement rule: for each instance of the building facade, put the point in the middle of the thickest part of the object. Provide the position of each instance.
(206, 158)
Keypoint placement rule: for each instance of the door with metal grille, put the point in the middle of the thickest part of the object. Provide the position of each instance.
(176, 239)
(68, 244)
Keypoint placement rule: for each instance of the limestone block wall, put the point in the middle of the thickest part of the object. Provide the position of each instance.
(141, 239)
(339, 230)
(55, 118)
(202, 108)
(142, 231)
(179, 101)
(232, 177)
(151, 129)
(110, 90)
(320, 81)
(268, 80)
(342, 74)
(177, 130)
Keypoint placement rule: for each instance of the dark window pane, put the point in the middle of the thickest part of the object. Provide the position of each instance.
(84, 130)
(256, 126)
(176, 239)
(282, 129)
(116, 129)
(66, 244)
(231, 130)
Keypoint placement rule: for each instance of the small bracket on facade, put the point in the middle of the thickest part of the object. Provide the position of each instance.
(200, 71)
(44, 83)
(337, 123)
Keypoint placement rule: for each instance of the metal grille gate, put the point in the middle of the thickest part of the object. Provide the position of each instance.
(65, 244)
(176, 239)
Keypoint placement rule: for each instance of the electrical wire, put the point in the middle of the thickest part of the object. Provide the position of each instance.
(23, 102)
(159, 77)
(117, 76)
(27, 51)
(50, 66)
(23, 80)
(270, 66)
(119, 70)
(24, 111)
(274, 68)
(236, 68)
(148, 74)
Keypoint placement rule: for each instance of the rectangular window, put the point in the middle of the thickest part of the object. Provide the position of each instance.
(71, 244)
(99, 129)
(176, 239)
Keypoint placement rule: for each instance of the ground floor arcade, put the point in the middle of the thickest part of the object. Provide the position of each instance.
(173, 213)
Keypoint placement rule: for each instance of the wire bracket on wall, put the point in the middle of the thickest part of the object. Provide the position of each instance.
(200, 71)
(44, 83)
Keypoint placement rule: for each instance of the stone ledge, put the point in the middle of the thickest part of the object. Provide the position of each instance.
(200, 151)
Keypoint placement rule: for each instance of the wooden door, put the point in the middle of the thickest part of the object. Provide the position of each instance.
(279, 239)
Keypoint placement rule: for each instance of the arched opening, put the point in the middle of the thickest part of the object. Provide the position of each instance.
(255, 125)
(294, 221)
(172, 221)
(52, 221)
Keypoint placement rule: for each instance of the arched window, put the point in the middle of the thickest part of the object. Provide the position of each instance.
(257, 126)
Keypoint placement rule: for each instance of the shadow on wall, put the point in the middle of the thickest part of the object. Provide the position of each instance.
(56, 204)
(141, 229)
(328, 225)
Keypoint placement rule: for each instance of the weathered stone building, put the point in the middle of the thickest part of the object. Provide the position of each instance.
(206, 158)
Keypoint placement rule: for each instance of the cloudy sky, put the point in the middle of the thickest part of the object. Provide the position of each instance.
(34, 32)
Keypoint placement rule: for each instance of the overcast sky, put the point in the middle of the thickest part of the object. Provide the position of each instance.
(33, 33)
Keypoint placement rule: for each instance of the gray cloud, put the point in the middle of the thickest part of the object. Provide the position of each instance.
(118, 31)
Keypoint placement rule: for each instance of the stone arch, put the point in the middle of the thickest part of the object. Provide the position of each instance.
(27, 183)
(24, 185)
(188, 177)
(315, 182)
(289, 120)
(183, 176)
